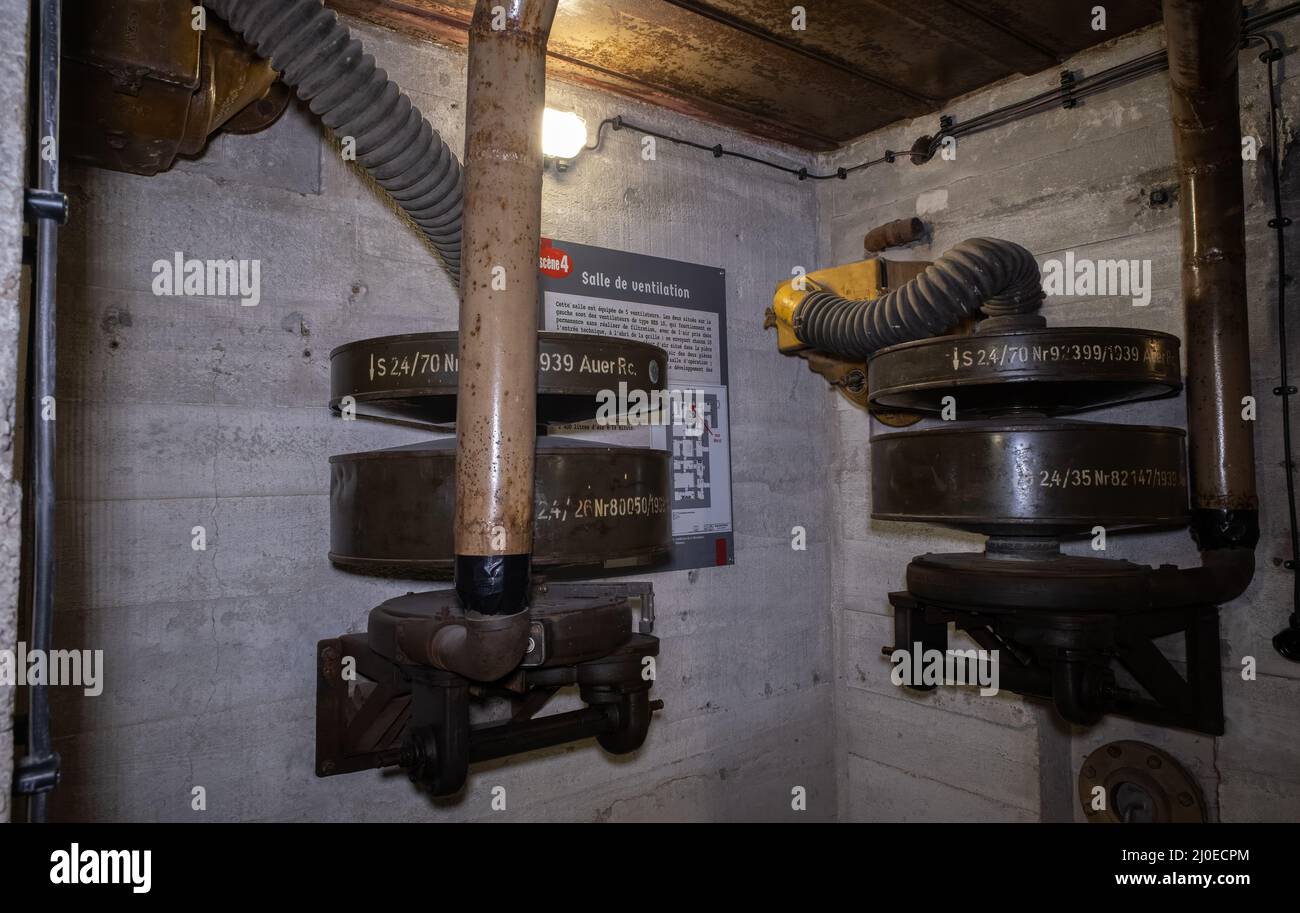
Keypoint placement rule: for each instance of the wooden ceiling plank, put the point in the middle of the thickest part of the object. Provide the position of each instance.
(727, 62)
(727, 19)
(423, 22)
(1049, 54)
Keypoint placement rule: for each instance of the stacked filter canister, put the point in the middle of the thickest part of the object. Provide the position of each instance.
(596, 505)
(1005, 463)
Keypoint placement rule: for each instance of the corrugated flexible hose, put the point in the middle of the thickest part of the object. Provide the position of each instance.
(329, 69)
(983, 274)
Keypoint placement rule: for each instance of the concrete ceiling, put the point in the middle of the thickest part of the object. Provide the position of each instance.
(857, 66)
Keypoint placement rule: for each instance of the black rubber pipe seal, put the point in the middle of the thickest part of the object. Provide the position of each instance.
(493, 584)
(1214, 528)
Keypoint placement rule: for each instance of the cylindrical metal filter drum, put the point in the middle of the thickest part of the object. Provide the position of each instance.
(1031, 478)
(414, 376)
(1052, 371)
(595, 505)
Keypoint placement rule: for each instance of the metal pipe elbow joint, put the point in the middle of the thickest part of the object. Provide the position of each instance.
(482, 648)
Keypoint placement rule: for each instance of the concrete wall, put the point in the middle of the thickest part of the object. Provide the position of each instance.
(13, 159)
(1067, 180)
(176, 413)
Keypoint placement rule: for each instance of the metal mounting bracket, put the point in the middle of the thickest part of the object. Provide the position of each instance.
(1071, 658)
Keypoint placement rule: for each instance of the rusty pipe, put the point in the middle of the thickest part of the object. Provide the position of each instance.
(1203, 39)
(496, 412)
(1224, 574)
(893, 234)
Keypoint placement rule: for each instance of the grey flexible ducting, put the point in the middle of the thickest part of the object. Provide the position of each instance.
(317, 56)
(998, 277)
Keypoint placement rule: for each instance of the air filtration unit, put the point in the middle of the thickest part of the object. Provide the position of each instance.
(401, 694)
(1003, 454)
(1014, 467)
(498, 503)
(994, 446)
(598, 507)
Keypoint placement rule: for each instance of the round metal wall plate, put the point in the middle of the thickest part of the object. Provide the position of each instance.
(414, 376)
(391, 511)
(1049, 371)
(1035, 478)
(1133, 782)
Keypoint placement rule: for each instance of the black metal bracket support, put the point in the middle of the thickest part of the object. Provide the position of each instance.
(373, 711)
(33, 775)
(417, 718)
(1071, 659)
(45, 204)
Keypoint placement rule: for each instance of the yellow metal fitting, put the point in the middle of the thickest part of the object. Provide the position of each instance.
(863, 279)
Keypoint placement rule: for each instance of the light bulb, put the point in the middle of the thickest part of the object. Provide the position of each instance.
(564, 134)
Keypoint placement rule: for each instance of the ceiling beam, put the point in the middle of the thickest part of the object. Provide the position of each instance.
(419, 20)
(1050, 54)
(722, 17)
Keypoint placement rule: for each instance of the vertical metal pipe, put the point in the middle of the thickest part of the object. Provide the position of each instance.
(40, 757)
(496, 416)
(1203, 38)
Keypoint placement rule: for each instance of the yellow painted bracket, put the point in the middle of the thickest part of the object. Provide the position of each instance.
(863, 279)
